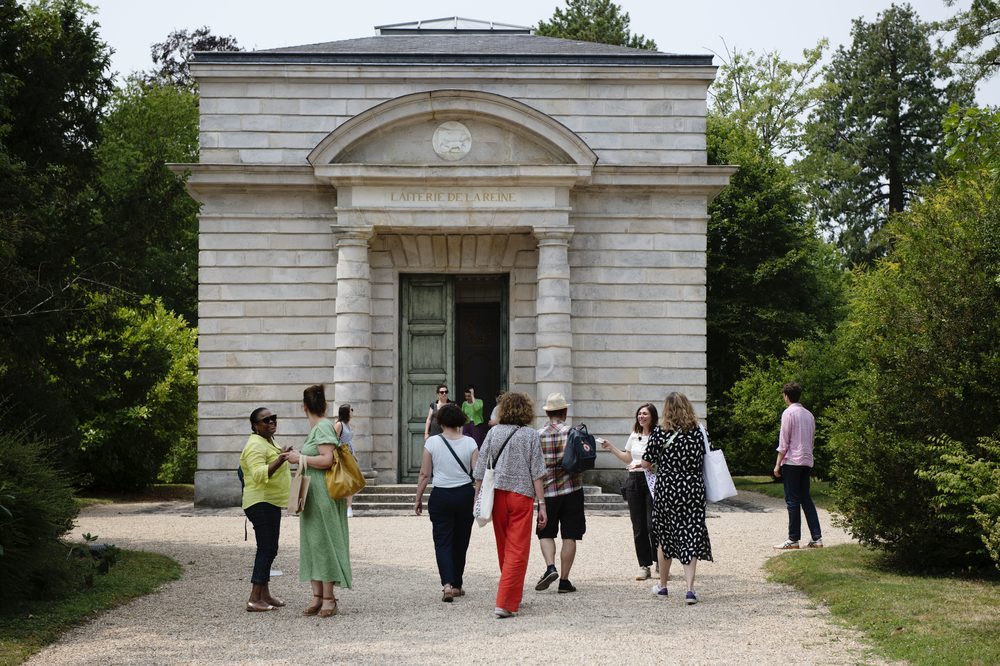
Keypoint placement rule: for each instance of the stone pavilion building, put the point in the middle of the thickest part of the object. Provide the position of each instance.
(453, 202)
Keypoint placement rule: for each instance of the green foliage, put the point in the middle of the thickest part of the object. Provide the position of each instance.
(39, 623)
(873, 140)
(172, 57)
(757, 403)
(768, 94)
(149, 222)
(39, 509)
(907, 618)
(770, 279)
(968, 489)
(922, 336)
(976, 47)
(131, 374)
(600, 21)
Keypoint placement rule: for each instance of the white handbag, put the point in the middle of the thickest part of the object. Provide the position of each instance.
(718, 482)
(483, 509)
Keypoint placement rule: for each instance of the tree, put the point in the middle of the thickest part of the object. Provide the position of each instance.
(768, 94)
(600, 21)
(771, 280)
(976, 47)
(873, 140)
(149, 222)
(921, 339)
(172, 57)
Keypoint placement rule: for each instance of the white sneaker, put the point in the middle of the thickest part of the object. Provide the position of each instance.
(659, 591)
(350, 512)
(643, 574)
(501, 613)
(815, 543)
(787, 545)
(276, 572)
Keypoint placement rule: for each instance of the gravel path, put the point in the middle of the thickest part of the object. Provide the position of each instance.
(394, 612)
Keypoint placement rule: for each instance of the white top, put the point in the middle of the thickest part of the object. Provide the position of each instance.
(447, 473)
(495, 413)
(636, 445)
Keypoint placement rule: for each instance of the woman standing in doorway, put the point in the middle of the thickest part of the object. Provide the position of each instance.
(638, 489)
(346, 436)
(324, 543)
(472, 407)
(431, 426)
(677, 448)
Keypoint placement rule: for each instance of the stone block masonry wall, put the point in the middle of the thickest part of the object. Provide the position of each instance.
(656, 120)
(637, 281)
(267, 292)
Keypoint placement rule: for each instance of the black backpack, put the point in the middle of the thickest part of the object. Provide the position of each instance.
(581, 450)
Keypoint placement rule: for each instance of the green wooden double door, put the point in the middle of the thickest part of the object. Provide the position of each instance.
(454, 331)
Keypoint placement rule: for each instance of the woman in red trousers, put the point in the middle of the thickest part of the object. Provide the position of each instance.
(515, 453)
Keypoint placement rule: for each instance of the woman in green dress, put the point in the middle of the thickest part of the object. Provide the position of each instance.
(324, 543)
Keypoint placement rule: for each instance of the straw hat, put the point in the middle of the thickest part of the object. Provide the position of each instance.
(555, 402)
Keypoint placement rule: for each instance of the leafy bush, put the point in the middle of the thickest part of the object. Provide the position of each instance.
(38, 509)
(922, 332)
(131, 377)
(968, 490)
(757, 403)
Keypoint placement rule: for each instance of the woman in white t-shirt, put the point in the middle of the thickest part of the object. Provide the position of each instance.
(448, 460)
(638, 487)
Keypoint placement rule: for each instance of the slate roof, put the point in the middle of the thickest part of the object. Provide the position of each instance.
(457, 48)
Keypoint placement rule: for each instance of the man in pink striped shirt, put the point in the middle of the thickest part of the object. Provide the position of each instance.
(793, 467)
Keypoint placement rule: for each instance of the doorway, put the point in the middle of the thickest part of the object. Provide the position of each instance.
(454, 331)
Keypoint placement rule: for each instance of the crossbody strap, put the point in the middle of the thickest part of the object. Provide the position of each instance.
(496, 458)
(448, 444)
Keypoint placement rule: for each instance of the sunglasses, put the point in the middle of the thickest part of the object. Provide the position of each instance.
(442, 391)
(270, 420)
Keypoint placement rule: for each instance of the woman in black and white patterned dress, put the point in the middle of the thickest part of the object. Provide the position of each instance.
(677, 448)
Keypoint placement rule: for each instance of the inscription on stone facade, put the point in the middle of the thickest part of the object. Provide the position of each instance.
(441, 196)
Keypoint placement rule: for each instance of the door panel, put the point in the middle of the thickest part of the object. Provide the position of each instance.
(477, 351)
(426, 359)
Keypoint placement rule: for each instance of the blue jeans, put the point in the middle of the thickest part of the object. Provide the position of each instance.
(796, 480)
(266, 519)
(450, 510)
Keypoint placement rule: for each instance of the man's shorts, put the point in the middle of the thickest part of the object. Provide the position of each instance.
(565, 516)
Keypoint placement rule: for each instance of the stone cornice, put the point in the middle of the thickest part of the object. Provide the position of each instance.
(205, 177)
(560, 175)
(693, 178)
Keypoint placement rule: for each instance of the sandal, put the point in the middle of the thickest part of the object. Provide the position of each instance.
(328, 612)
(254, 608)
(448, 594)
(312, 610)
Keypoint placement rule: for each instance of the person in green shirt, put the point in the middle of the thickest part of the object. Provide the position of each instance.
(265, 491)
(473, 408)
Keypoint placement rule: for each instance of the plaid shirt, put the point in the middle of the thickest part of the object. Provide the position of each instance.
(557, 480)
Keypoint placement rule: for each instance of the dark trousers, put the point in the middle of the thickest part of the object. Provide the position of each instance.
(266, 520)
(451, 517)
(796, 480)
(640, 510)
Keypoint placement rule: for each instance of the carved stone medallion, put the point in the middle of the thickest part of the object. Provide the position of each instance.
(452, 141)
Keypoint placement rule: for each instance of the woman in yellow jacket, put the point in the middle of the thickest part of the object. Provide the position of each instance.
(265, 491)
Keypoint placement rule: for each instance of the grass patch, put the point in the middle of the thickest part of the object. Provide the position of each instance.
(160, 492)
(39, 623)
(820, 491)
(920, 619)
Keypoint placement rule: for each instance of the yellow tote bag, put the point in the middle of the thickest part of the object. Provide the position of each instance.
(344, 478)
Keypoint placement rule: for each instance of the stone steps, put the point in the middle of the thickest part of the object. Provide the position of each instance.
(397, 499)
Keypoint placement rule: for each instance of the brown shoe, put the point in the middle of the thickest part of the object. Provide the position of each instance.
(328, 612)
(313, 609)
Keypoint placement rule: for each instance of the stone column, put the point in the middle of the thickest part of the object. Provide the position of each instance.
(554, 335)
(352, 374)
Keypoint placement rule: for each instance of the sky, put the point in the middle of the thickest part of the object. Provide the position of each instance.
(785, 26)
